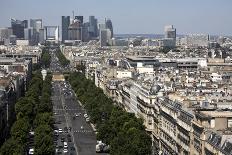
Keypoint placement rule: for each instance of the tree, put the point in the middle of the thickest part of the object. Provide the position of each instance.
(44, 140)
(43, 119)
(20, 129)
(11, 147)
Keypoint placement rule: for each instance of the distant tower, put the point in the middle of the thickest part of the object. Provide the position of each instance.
(18, 27)
(109, 25)
(65, 25)
(93, 29)
(170, 32)
(36, 25)
(103, 37)
(74, 31)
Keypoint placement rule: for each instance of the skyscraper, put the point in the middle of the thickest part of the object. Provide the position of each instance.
(41, 36)
(109, 26)
(18, 27)
(103, 37)
(65, 25)
(170, 32)
(36, 24)
(93, 30)
(74, 30)
(169, 37)
(5, 33)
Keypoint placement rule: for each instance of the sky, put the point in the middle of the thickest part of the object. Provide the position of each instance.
(129, 16)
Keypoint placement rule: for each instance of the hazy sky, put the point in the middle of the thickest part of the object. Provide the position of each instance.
(130, 16)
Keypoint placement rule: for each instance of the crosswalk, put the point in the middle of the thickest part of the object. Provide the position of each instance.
(82, 131)
(67, 109)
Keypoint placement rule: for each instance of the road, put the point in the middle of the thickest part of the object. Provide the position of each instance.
(65, 107)
(76, 131)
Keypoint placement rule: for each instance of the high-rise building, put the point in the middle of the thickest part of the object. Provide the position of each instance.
(5, 33)
(74, 30)
(80, 18)
(93, 29)
(36, 25)
(28, 33)
(85, 32)
(169, 37)
(109, 26)
(103, 37)
(65, 25)
(41, 36)
(170, 32)
(18, 27)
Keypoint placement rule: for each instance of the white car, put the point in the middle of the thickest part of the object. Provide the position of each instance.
(65, 150)
(85, 115)
(87, 119)
(31, 151)
(65, 145)
(60, 130)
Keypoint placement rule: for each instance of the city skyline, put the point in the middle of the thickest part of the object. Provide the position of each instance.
(187, 16)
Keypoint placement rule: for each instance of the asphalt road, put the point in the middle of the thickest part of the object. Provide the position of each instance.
(79, 134)
(65, 107)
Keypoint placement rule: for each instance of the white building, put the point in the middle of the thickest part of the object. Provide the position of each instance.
(148, 69)
(124, 74)
(22, 42)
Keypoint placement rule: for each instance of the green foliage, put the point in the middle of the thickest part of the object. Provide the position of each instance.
(63, 61)
(33, 110)
(19, 130)
(43, 121)
(123, 131)
(45, 58)
(11, 147)
(44, 140)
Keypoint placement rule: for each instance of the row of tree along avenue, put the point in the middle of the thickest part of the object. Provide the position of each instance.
(62, 59)
(124, 132)
(45, 60)
(34, 113)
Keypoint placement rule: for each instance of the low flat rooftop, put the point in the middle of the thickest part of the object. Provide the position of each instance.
(218, 113)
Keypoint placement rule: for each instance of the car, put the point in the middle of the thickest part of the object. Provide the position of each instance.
(65, 150)
(87, 119)
(85, 115)
(65, 145)
(82, 127)
(60, 131)
(31, 151)
(77, 115)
